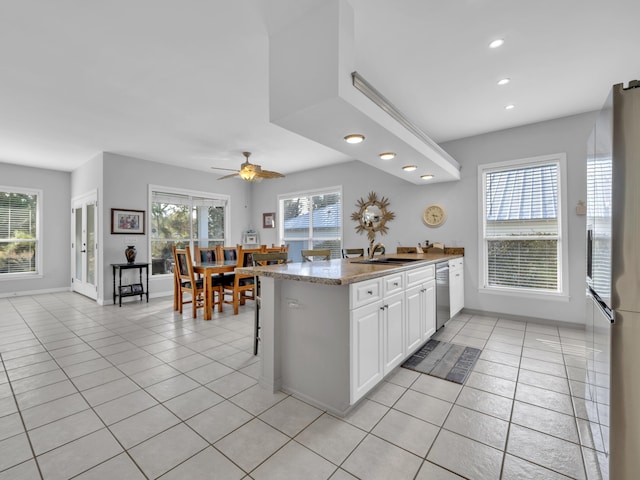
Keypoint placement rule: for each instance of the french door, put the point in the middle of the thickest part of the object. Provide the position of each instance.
(84, 244)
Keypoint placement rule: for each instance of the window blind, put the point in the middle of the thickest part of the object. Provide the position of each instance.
(522, 227)
(312, 221)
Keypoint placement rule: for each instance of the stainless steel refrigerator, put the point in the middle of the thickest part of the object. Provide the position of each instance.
(613, 283)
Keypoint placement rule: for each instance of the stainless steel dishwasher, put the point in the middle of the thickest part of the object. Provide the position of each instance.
(443, 305)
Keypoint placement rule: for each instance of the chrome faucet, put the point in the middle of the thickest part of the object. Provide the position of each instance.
(372, 250)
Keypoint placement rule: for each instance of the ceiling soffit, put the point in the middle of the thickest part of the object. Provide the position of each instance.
(311, 92)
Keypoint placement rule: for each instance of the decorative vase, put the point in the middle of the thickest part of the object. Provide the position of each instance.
(130, 253)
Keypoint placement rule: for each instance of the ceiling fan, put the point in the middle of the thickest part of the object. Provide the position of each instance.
(250, 171)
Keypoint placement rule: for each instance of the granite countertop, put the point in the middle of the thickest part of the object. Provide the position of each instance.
(344, 271)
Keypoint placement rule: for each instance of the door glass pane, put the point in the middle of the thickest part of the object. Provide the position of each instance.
(91, 243)
(78, 243)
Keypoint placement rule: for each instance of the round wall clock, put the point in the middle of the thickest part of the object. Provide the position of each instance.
(434, 215)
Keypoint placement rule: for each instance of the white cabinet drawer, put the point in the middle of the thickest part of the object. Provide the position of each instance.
(420, 275)
(364, 293)
(456, 263)
(393, 284)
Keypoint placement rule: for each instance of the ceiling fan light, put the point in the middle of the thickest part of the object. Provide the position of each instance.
(247, 174)
(354, 138)
(409, 168)
(387, 155)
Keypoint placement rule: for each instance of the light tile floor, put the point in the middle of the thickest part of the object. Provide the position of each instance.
(139, 392)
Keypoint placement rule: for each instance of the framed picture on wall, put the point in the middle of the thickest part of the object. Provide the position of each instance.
(128, 222)
(269, 220)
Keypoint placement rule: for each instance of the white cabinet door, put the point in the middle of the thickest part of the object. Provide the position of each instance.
(414, 310)
(366, 348)
(394, 345)
(429, 317)
(456, 287)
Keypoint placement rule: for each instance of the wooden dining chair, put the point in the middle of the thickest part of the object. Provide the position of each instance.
(187, 282)
(352, 252)
(213, 255)
(275, 248)
(229, 253)
(240, 286)
(272, 258)
(315, 255)
(208, 254)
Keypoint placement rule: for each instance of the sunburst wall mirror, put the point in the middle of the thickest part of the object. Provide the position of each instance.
(372, 216)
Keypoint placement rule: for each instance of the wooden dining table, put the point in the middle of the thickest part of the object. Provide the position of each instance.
(209, 269)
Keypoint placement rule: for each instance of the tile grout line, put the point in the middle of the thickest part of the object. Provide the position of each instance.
(367, 433)
(15, 401)
(83, 436)
(513, 405)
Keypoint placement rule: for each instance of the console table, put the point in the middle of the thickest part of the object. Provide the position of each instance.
(132, 289)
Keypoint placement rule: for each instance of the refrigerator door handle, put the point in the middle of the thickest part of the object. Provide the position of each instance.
(589, 254)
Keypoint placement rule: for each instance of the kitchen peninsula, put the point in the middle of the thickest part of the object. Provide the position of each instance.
(332, 330)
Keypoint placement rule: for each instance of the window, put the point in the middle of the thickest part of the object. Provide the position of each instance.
(522, 243)
(311, 220)
(183, 218)
(20, 245)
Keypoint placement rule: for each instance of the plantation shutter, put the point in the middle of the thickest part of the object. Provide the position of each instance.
(522, 228)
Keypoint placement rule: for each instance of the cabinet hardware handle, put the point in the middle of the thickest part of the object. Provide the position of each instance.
(382, 308)
(395, 284)
(457, 274)
(370, 292)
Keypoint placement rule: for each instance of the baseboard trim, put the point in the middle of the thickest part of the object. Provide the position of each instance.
(26, 293)
(523, 318)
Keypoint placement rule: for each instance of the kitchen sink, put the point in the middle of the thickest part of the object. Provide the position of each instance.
(385, 260)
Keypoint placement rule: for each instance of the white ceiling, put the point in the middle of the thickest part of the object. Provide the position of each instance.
(186, 82)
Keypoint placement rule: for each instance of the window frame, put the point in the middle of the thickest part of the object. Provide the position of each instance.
(39, 193)
(563, 255)
(309, 193)
(190, 193)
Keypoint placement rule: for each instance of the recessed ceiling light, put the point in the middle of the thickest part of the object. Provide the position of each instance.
(409, 168)
(504, 81)
(387, 155)
(498, 42)
(511, 106)
(428, 176)
(354, 138)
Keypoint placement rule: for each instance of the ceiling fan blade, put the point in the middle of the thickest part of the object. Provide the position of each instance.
(251, 172)
(229, 176)
(268, 174)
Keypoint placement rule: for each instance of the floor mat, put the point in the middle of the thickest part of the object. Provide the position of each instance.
(444, 360)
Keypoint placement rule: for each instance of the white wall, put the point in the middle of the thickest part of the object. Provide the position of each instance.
(460, 199)
(126, 182)
(55, 227)
(88, 177)
(356, 179)
(567, 135)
